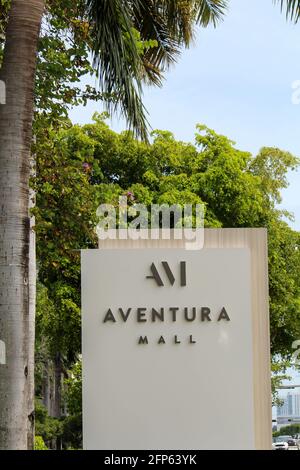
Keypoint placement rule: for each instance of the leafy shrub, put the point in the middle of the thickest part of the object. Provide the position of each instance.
(39, 443)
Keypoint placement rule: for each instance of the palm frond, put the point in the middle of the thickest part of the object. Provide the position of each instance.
(117, 59)
(169, 24)
(179, 19)
(292, 8)
(209, 11)
(151, 21)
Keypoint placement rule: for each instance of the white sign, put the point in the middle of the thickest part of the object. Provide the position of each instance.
(167, 349)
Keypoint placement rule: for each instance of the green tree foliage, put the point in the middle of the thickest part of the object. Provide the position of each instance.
(63, 59)
(291, 430)
(122, 44)
(48, 428)
(66, 215)
(83, 166)
(74, 389)
(279, 368)
(39, 443)
(72, 423)
(79, 167)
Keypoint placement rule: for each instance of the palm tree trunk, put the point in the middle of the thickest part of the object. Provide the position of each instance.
(18, 73)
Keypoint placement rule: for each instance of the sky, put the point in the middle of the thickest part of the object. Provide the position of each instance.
(237, 79)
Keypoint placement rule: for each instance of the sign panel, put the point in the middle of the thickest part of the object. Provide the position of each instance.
(167, 349)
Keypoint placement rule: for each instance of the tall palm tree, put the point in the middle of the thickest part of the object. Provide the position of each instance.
(122, 70)
(17, 72)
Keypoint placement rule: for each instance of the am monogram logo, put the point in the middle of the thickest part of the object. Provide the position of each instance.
(155, 274)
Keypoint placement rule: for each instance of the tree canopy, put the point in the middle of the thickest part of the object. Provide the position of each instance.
(82, 166)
